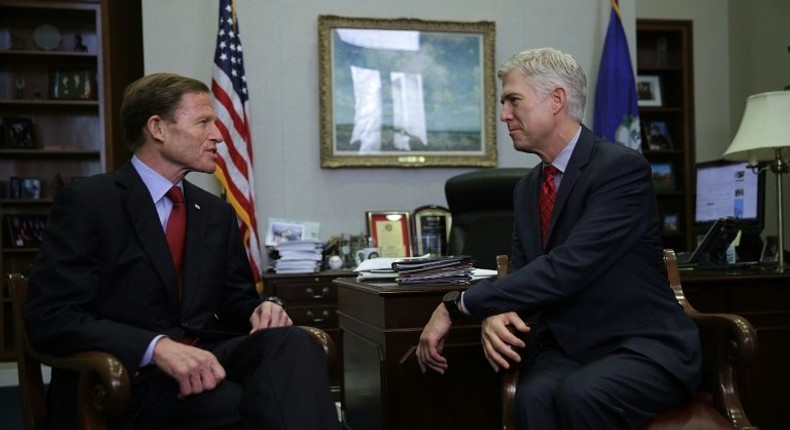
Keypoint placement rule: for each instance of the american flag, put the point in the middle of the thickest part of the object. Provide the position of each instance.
(231, 102)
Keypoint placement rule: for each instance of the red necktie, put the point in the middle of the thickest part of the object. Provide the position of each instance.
(548, 193)
(176, 231)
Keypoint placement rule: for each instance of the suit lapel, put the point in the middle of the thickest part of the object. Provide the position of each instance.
(579, 159)
(193, 255)
(141, 211)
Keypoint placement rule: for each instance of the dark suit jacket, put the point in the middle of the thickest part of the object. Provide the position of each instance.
(104, 279)
(600, 283)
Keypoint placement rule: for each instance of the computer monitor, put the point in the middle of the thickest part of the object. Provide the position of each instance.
(731, 189)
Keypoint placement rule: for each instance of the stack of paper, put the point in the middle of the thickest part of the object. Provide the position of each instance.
(384, 269)
(299, 256)
(455, 270)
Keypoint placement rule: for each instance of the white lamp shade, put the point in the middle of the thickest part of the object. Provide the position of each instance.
(764, 128)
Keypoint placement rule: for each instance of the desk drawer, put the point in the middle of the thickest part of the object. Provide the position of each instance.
(321, 316)
(306, 289)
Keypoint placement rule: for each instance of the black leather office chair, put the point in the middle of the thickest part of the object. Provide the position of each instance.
(481, 204)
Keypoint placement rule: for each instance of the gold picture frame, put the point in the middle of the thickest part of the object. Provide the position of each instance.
(391, 232)
(406, 93)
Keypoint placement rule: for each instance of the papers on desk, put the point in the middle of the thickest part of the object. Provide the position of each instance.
(299, 256)
(456, 270)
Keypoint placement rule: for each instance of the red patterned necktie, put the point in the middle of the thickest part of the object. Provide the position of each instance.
(548, 193)
(176, 231)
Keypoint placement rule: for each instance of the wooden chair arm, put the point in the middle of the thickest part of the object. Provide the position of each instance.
(740, 336)
(729, 344)
(103, 384)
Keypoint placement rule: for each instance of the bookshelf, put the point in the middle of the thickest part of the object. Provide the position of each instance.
(664, 65)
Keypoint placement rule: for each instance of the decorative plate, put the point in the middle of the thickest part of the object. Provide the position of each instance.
(47, 37)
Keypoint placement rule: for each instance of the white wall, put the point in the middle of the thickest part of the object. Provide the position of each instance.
(760, 62)
(281, 55)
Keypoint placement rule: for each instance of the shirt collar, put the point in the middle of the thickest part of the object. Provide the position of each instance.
(157, 184)
(562, 159)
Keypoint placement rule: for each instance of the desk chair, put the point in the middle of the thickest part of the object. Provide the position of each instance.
(481, 205)
(103, 392)
(729, 344)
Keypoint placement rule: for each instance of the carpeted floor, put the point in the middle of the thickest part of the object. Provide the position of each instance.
(10, 416)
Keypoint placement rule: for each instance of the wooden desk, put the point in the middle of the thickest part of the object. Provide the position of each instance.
(383, 386)
(764, 300)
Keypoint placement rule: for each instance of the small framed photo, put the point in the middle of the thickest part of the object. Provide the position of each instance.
(18, 133)
(25, 231)
(431, 230)
(30, 188)
(72, 84)
(663, 176)
(648, 90)
(657, 136)
(285, 230)
(14, 187)
(391, 232)
(770, 250)
(671, 223)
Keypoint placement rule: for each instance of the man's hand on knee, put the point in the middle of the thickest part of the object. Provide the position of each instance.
(195, 369)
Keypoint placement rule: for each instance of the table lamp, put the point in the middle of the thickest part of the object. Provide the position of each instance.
(763, 139)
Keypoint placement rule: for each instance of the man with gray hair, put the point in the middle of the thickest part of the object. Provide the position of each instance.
(612, 346)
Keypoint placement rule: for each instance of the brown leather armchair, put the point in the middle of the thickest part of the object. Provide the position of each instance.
(103, 391)
(729, 344)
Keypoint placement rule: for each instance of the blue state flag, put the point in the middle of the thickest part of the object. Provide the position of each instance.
(616, 115)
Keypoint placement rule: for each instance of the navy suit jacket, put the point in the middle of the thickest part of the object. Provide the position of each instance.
(600, 282)
(104, 279)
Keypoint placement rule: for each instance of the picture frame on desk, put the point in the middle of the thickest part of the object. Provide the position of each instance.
(286, 230)
(663, 176)
(18, 133)
(390, 92)
(432, 225)
(769, 253)
(649, 91)
(72, 84)
(391, 232)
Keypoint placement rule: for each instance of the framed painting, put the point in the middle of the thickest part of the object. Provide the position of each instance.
(406, 93)
(431, 230)
(391, 232)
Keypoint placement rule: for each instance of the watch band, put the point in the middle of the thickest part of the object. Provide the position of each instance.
(451, 303)
(276, 300)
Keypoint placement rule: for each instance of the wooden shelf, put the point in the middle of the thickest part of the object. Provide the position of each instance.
(71, 138)
(50, 153)
(664, 49)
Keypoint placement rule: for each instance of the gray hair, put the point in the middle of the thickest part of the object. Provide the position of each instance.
(547, 69)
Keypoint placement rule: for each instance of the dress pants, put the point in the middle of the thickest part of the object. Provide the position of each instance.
(276, 380)
(622, 390)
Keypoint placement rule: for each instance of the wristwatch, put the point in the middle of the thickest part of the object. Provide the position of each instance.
(451, 301)
(276, 300)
